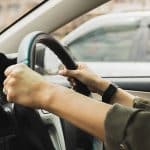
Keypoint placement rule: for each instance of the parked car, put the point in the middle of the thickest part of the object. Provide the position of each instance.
(49, 16)
(120, 40)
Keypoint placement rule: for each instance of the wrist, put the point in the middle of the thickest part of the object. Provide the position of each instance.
(102, 85)
(43, 94)
(109, 93)
(123, 97)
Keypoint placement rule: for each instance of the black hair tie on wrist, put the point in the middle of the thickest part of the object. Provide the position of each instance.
(109, 93)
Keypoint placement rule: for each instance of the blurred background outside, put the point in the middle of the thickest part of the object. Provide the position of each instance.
(11, 10)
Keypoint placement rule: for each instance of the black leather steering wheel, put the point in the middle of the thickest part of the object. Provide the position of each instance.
(27, 53)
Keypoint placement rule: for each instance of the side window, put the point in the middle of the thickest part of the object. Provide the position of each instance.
(110, 50)
(143, 46)
(114, 44)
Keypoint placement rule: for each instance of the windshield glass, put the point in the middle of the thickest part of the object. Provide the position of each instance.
(111, 44)
(11, 10)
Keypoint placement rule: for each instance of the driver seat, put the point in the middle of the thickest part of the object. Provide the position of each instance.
(21, 128)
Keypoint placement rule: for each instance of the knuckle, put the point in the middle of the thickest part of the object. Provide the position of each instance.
(13, 74)
(12, 82)
(11, 95)
(5, 82)
(9, 99)
(19, 70)
(17, 73)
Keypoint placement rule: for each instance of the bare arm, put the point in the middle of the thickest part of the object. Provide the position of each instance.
(97, 84)
(82, 111)
(28, 88)
(121, 96)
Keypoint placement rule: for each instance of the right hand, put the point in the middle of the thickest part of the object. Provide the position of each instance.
(83, 74)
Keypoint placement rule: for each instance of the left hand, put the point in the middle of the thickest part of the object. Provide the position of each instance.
(24, 86)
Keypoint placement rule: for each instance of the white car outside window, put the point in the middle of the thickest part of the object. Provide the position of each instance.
(114, 43)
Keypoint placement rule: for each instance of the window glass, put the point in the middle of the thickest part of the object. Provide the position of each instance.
(119, 43)
(11, 10)
(109, 44)
(113, 53)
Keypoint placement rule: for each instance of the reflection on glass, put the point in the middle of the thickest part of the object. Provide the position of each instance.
(107, 44)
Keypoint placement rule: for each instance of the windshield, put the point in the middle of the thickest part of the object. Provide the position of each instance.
(11, 10)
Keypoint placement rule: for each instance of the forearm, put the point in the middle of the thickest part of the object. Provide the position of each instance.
(80, 110)
(121, 96)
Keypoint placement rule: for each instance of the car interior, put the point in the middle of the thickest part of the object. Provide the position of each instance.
(29, 41)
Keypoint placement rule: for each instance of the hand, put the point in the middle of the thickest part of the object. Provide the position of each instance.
(24, 86)
(85, 75)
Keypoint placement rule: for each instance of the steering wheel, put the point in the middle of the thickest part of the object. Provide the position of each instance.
(26, 54)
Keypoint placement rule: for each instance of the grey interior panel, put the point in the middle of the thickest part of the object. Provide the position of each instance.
(135, 84)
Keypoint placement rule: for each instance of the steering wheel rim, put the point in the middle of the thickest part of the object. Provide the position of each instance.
(27, 48)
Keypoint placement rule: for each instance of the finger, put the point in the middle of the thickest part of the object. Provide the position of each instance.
(10, 98)
(81, 65)
(72, 82)
(9, 93)
(5, 90)
(72, 85)
(71, 79)
(62, 71)
(9, 70)
(69, 73)
(6, 80)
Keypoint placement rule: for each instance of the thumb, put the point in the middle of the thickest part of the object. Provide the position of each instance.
(68, 73)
